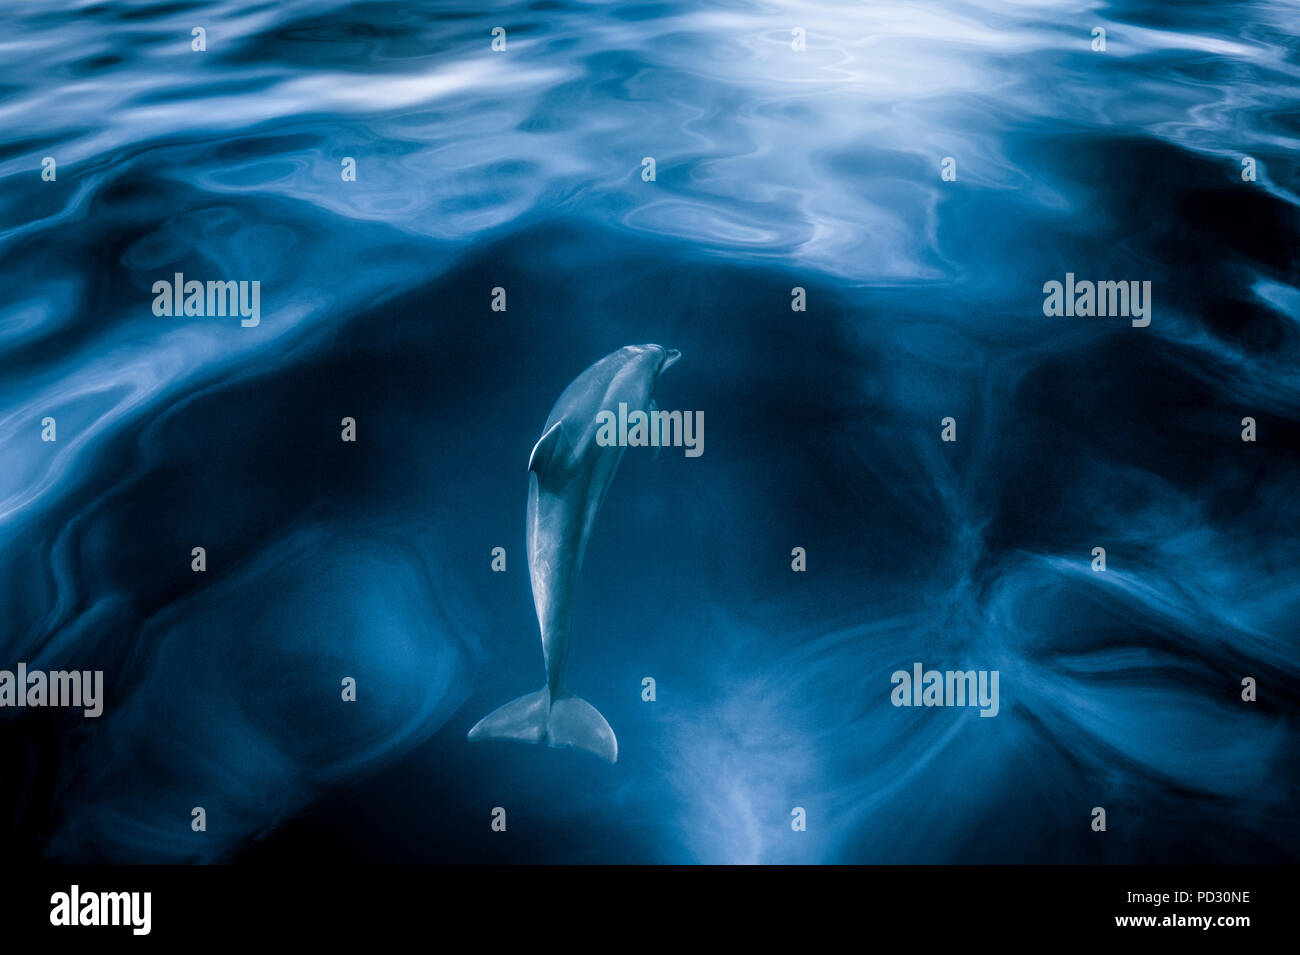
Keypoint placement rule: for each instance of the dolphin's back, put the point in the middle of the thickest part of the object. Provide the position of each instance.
(600, 388)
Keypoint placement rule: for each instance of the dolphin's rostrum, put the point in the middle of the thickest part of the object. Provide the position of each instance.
(569, 473)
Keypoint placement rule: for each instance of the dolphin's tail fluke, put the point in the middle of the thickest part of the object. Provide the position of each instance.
(575, 722)
(564, 721)
(523, 719)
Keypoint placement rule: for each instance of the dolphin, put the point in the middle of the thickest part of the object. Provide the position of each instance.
(569, 473)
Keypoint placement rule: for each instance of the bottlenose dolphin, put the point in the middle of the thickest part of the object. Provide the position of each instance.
(569, 473)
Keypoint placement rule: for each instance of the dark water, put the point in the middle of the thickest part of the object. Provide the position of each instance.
(775, 168)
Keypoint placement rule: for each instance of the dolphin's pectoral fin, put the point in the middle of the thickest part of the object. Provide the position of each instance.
(575, 722)
(523, 719)
(545, 448)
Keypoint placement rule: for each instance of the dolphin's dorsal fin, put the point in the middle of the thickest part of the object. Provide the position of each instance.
(544, 449)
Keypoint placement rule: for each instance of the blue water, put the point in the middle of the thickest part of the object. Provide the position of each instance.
(775, 168)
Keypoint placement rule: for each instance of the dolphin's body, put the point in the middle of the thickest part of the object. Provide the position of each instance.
(569, 474)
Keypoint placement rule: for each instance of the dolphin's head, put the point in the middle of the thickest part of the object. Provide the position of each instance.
(658, 357)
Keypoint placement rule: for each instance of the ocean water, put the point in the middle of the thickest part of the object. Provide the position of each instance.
(774, 168)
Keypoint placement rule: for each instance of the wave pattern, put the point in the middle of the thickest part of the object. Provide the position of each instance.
(775, 168)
